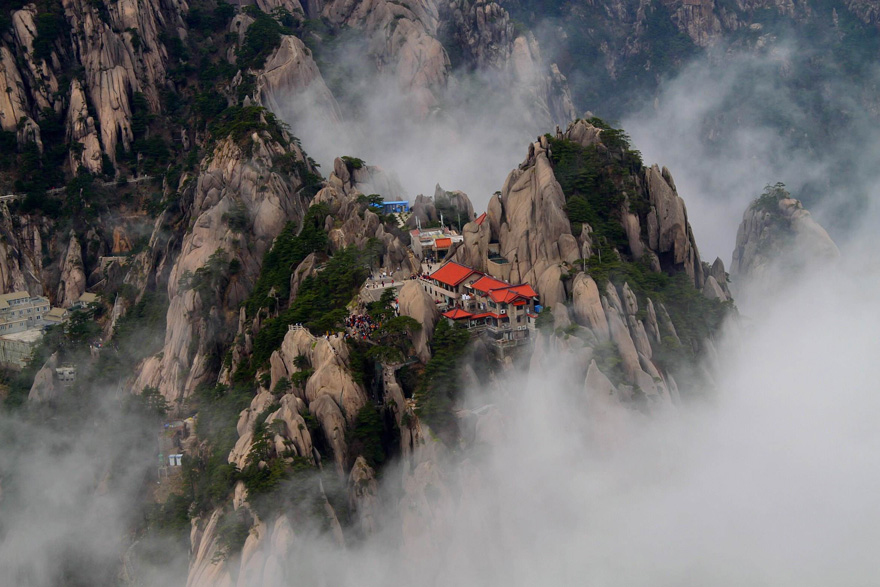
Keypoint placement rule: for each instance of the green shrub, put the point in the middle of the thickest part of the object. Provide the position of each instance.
(237, 218)
(319, 304)
(593, 183)
(51, 26)
(353, 162)
(261, 39)
(365, 436)
(240, 122)
(291, 246)
(232, 532)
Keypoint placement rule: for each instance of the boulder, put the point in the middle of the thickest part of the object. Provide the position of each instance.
(776, 242)
(334, 426)
(417, 304)
(455, 201)
(550, 286)
(44, 387)
(587, 306)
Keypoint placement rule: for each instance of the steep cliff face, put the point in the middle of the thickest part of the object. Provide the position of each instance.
(118, 48)
(73, 277)
(643, 230)
(402, 38)
(291, 85)
(238, 193)
(121, 53)
(528, 219)
(21, 253)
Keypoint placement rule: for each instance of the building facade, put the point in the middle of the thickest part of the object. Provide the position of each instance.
(19, 311)
(433, 243)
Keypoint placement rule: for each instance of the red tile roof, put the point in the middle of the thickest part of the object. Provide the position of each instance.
(452, 274)
(480, 219)
(442, 243)
(457, 314)
(503, 296)
(524, 290)
(486, 315)
(486, 284)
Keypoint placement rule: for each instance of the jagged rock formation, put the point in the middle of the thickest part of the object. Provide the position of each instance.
(528, 221)
(529, 225)
(346, 226)
(776, 232)
(405, 38)
(351, 175)
(291, 85)
(455, 202)
(73, 277)
(330, 379)
(453, 206)
(235, 194)
(21, 253)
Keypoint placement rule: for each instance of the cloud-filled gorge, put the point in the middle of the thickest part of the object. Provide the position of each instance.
(766, 472)
(770, 480)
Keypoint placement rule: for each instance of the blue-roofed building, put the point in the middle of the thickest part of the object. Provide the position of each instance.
(393, 207)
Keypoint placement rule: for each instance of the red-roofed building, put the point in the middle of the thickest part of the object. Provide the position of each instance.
(442, 244)
(485, 304)
(448, 284)
(481, 219)
(487, 283)
(452, 274)
(457, 314)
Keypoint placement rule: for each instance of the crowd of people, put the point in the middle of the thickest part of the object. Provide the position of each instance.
(361, 325)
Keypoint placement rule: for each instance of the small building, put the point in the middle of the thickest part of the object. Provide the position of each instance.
(19, 311)
(433, 242)
(394, 207)
(171, 437)
(16, 347)
(66, 374)
(56, 316)
(449, 283)
(84, 301)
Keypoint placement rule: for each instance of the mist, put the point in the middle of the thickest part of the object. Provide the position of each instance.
(769, 478)
(472, 136)
(733, 122)
(73, 490)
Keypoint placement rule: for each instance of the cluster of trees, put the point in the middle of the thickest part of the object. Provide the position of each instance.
(594, 178)
(439, 384)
